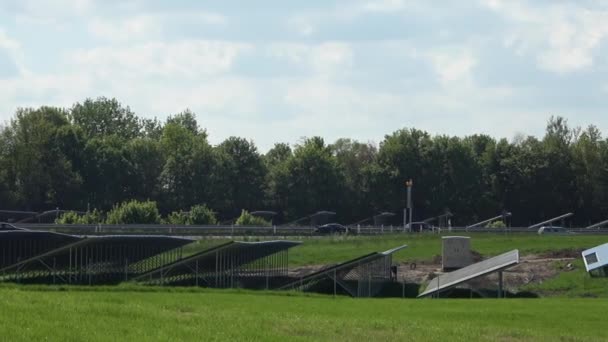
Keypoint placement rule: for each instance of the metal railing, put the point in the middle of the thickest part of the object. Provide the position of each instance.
(233, 230)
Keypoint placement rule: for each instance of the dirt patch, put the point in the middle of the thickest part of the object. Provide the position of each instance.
(564, 253)
(532, 269)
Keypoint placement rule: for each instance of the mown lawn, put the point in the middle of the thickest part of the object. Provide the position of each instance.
(111, 314)
(325, 250)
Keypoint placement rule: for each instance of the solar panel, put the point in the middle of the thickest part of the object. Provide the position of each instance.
(495, 264)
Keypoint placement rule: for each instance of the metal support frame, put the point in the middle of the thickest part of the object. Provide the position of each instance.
(262, 265)
(361, 277)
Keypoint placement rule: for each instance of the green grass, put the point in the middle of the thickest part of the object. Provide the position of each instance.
(326, 250)
(207, 315)
(574, 283)
(424, 247)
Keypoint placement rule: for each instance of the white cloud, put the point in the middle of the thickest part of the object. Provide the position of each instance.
(8, 43)
(133, 28)
(53, 13)
(303, 25)
(452, 67)
(383, 6)
(52, 90)
(326, 58)
(148, 26)
(15, 51)
(189, 58)
(562, 37)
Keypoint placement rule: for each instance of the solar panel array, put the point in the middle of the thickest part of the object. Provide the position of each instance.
(261, 265)
(53, 258)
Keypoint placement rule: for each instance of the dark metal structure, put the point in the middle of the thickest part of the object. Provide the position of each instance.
(599, 225)
(365, 276)
(236, 264)
(19, 245)
(483, 223)
(383, 218)
(550, 221)
(96, 260)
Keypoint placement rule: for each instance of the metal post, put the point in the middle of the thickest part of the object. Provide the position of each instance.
(266, 271)
(409, 185)
(89, 271)
(196, 281)
(335, 282)
(500, 291)
(70, 268)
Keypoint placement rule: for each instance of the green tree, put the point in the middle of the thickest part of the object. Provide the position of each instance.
(239, 177)
(104, 116)
(38, 171)
(189, 163)
(107, 171)
(355, 161)
(145, 162)
(312, 179)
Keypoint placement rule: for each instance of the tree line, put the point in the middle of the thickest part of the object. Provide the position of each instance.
(99, 153)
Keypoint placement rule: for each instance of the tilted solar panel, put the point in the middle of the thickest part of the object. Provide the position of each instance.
(448, 280)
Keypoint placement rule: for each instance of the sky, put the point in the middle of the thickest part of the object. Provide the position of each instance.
(277, 71)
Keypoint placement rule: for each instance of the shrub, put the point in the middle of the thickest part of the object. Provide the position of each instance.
(201, 214)
(90, 217)
(497, 224)
(246, 219)
(178, 218)
(134, 212)
(198, 214)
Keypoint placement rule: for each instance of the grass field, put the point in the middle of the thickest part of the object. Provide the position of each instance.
(576, 283)
(110, 314)
(316, 251)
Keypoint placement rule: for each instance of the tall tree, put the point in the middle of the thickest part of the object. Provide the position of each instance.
(104, 116)
(41, 174)
(240, 175)
(313, 180)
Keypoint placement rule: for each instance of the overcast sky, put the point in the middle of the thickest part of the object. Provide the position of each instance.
(275, 71)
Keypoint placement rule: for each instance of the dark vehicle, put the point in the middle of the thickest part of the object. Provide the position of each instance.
(420, 227)
(332, 228)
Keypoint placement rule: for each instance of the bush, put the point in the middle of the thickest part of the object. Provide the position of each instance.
(198, 214)
(134, 212)
(177, 218)
(90, 217)
(201, 214)
(246, 219)
(497, 224)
